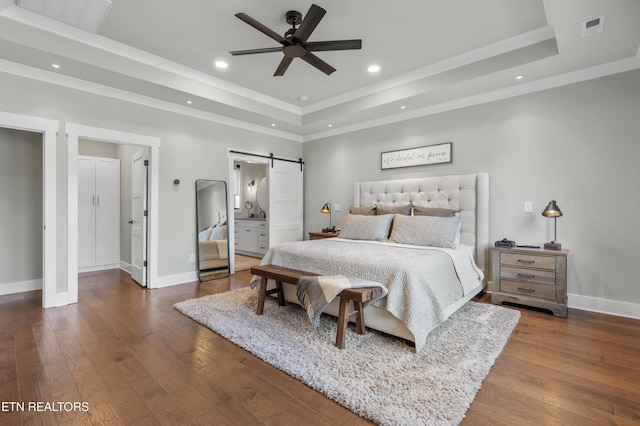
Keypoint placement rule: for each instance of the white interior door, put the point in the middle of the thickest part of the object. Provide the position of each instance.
(285, 182)
(86, 212)
(139, 162)
(107, 211)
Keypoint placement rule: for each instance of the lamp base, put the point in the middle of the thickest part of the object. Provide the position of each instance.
(552, 246)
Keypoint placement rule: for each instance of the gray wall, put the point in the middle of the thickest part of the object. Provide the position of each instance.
(578, 144)
(190, 149)
(20, 206)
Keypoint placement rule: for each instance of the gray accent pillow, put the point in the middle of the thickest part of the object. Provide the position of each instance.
(366, 211)
(433, 211)
(404, 209)
(360, 227)
(431, 231)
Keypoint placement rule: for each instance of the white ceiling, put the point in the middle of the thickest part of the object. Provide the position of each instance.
(434, 55)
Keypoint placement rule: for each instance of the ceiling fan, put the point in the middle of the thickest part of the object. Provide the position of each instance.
(294, 43)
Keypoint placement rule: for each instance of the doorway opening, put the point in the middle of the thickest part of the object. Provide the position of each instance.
(108, 235)
(75, 132)
(47, 128)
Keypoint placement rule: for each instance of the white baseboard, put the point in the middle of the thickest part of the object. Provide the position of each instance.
(98, 268)
(605, 306)
(125, 266)
(20, 286)
(169, 280)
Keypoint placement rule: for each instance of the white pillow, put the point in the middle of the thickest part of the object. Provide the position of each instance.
(219, 233)
(431, 231)
(204, 234)
(360, 227)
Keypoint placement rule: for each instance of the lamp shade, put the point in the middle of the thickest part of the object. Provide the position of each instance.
(326, 208)
(552, 210)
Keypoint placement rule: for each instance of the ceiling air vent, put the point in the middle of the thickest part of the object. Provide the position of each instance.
(84, 14)
(592, 26)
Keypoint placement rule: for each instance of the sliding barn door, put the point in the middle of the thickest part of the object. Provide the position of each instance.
(285, 202)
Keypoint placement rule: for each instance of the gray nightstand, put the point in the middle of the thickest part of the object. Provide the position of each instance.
(531, 277)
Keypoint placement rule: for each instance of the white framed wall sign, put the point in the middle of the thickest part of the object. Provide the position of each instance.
(424, 155)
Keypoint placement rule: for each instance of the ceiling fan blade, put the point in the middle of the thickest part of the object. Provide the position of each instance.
(317, 46)
(312, 59)
(309, 23)
(260, 27)
(284, 64)
(254, 51)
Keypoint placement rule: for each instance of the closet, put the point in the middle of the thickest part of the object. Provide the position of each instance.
(98, 213)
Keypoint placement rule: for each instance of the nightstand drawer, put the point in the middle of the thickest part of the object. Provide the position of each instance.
(529, 260)
(543, 291)
(532, 275)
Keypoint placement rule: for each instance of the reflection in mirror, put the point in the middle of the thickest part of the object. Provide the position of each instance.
(211, 220)
(262, 196)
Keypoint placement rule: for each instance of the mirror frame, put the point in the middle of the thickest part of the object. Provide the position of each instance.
(216, 272)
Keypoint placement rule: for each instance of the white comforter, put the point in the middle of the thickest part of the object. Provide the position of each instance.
(422, 281)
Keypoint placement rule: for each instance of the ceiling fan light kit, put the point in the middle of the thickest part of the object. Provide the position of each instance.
(294, 42)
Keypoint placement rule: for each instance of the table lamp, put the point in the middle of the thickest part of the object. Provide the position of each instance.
(552, 210)
(326, 209)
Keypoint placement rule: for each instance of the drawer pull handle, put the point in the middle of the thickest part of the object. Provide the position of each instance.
(528, 290)
(529, 276)
(526, 261)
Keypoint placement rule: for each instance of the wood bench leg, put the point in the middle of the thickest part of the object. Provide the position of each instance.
(359, 316)
(262, 294)
(342, 323)
(280, 292)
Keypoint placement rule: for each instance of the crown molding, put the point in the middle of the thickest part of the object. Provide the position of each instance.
(565, 79)
(110, 92)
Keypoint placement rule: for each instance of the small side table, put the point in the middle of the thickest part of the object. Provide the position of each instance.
(531, 277)
(321, 235)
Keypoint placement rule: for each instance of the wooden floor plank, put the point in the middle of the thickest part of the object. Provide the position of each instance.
(134, 359)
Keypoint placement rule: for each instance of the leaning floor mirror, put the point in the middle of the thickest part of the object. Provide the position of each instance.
(211, 220)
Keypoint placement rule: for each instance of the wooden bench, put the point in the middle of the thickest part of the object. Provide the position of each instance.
(281, 275)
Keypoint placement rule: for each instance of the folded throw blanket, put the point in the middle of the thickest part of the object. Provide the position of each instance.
(316, 292)
(222, 248)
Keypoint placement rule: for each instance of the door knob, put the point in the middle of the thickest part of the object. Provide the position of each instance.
(131, 222)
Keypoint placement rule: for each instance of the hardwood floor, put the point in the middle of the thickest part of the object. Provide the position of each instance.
(123, 355)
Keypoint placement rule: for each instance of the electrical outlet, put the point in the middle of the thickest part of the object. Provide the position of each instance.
(192, 258)
(528, 206)
(336, 207)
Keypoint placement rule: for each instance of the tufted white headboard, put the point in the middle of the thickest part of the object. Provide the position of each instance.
(467, 193)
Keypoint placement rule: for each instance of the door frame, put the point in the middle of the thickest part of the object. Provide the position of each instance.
(49, 129)
(74, 132)
(237, 156)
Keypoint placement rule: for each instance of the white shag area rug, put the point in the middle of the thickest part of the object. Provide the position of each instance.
(378, 377)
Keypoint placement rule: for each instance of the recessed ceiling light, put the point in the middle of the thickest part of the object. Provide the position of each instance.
(402, 107)
(273, 124)
(330, 125)
(519, 77)
(221, 64)
(189, 102)
(373, 68)
(303, 98)
(56, 66)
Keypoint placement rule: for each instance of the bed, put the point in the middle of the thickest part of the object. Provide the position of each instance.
(213, 251)
(429, 268)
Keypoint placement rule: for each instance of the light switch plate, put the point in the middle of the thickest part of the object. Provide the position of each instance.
(336, 207)
(528, 206)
